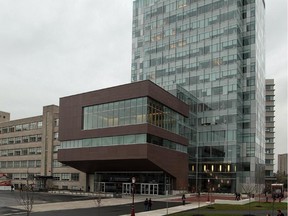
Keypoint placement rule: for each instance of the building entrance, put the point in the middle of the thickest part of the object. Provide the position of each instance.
(147, 183)
(126, 188)
(149, 189)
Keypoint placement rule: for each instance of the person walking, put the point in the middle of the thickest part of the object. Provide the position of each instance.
(146, 204)
(149, 204)
(183, 199)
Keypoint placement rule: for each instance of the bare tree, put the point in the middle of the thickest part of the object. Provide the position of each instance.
(97, 196)
(26, 195)
(249, 189)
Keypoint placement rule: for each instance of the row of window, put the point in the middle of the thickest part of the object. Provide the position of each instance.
(220, 90)
(269, 140)
(270, 97)
(210, 63)
(21, 139)
(20, 164)
(217, 136)
(187, 13)
(218, 105)
(270, 129)
(23, 176)
(66, 176)
(56, 176)
(269, 108)
(190, 54)
(193, 12)
(189, 40)
(122, 140)
(21, 127)
(20, 152)
(270, 87)
(128, 112)
(215, 120)
(207, 77)
(269, 119)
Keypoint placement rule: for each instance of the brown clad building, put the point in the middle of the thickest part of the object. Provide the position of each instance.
(132, 130)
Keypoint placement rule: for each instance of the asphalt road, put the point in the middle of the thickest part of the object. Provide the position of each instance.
(8, 198)
(107, 211)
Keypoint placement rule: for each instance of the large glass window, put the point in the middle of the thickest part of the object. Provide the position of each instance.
(130, 112)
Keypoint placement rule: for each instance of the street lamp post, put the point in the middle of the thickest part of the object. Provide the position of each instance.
(208, 198)
(133, 191)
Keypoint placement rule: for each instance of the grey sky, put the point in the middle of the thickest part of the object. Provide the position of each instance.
(54, 48)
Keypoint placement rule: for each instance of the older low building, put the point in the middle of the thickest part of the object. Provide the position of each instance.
(28, 152)
(134, 130)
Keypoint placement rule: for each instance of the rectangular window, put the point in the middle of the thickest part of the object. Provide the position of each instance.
(11, 129)
(25, 139)
(33, 126)
(65, 176)
(39, 138)
(74, 176)
(38, 163)
(11, 140)
(16, 164)
(39, 124)
(18, 140)
(56, 176)
(25, 127)
(23, 164)
(33, 138)
(31, 163)
(18, 128)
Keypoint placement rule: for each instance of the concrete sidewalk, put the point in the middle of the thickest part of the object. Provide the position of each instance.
(172, 210)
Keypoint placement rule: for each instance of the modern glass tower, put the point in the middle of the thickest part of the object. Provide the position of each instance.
(214, 49)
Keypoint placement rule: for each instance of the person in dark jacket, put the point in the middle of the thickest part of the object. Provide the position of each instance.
(149, 204)
(146, 204)
(183, 199)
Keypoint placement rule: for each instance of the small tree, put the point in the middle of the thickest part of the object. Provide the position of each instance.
(249, 189)
(97, 196)
(26, 195)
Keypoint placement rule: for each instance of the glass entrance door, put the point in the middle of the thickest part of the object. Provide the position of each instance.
(126, 188)
(99, 187)
(149, 189)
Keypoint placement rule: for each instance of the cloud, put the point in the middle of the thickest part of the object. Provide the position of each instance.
(51, 49)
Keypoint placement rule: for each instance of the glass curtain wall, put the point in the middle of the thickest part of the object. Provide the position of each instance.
(214, 50)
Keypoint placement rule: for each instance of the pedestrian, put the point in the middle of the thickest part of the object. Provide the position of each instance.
(183, 199)
(12, 188)
(279, 213)
(146, 204)
(149, 204)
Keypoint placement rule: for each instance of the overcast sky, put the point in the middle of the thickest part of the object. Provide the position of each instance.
(54, 48)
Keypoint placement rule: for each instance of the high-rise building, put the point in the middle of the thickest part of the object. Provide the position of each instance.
(282, 163)
(269, 130)
(214, 49)
(28, 152)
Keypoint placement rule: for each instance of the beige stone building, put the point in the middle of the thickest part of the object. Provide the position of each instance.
(28, 152)
(282, 163)
(269, 129)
